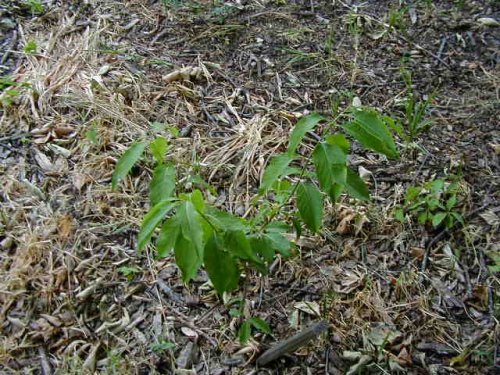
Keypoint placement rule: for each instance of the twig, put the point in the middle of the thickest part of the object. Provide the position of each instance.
(292, 343)
(13, 137)
(441, 47)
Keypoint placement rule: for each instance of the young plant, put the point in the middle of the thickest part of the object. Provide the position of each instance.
(435, 203)
(229, 246)
(245, 331)
(414, 122)
(10, 90)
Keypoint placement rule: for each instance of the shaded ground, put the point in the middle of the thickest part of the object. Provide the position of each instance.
(98, 80)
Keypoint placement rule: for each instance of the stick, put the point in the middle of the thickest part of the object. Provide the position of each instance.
(292, 343)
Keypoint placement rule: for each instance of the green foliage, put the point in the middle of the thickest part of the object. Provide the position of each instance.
(310, 205)
(10, 90)
(396, 18)
(435, 203)
(303, 126)
(31, 47)
(35, 6)
(162, 346)
(129, 272)
(414, 123)
(229, 246)
(245, 330)
(162, 184)
(276, 169)
(126, 162)
(369, 129)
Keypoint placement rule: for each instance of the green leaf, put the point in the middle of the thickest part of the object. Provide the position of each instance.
(260, 324)
(279, 243)
(162, 184)
(126, 162)
(396, 126)
(187, 257)
(159, 149)
(224, 220)
(438, 218)
(190, 222)
(335, 191)
(168, 236)
(330, 162)
(399, 215)
(458, 217)
(198, 201)
(303, 126)
(436, 186)
(310, 205)
(412, 193)
(244, 332)
(262, 246)
(297, 225)
(422, 218)
(236, 242)
(339, 140)
(274, 171)
(162, 346)
(221, 266)
(451, 202)
(152, 219)
(368, 129)
(278, 226)
(356, 187)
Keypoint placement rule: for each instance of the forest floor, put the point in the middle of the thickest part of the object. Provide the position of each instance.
(83, 80)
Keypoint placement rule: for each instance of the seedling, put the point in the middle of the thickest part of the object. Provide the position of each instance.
(162, 346)
(436, 203)
(414, 122)
(229, 246)
(129, 272)
(245, 330)
(35, 6)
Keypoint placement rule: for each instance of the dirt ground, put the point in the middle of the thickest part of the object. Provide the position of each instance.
(87, 78)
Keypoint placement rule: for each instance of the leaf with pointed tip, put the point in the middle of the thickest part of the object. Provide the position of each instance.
(224, 220)
(310, 205)
(198, 201)
(303, 126)
(356, 187)
(339, 140)
(159, 148)
(187, 257)
(260, 324)
(274, 171)
(262, 246)
(236, 242)
(221, 266)
(168, 236)
(335, 191)
(438, 218)
(244, 332)
(152, 219)
(126, 162)
(162, 184)
(330, 162)
(372, 133)
(190, 222)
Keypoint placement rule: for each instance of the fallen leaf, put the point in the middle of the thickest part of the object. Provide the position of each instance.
(488, 21)
(189, 332)
(65, 227)
(309, 307)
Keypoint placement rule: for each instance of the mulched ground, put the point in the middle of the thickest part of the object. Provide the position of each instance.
(98, 74)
